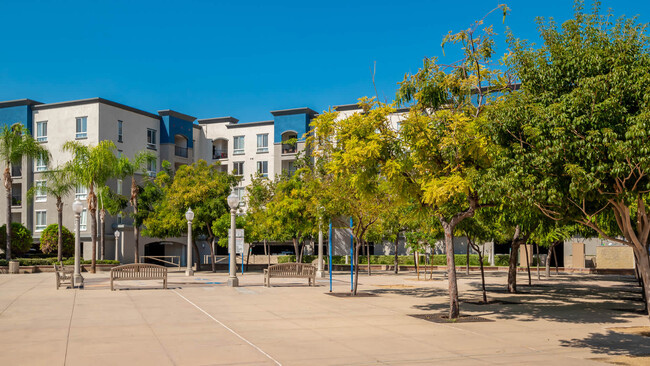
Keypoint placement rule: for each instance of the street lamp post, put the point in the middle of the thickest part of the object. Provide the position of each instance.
(233, 202)
(319, 272)
(189, 215)
(117, 244)
(77, 208)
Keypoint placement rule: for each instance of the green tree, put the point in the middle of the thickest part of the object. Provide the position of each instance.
(443, 153)
(16, 143)
(91, 167)
(21, 239)
(259, 224)
(125, 168)
(57, 238)
(199, 186)
(575, 137)
(58, 184)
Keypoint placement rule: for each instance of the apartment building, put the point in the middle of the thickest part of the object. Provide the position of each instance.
(241, 148)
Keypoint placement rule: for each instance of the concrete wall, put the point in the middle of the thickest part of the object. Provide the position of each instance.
(619, 256)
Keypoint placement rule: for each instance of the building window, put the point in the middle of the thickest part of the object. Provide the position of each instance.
(263, 168)
(151, 139)
(81, 193)
(119, 131)
(152, 166)
(263, 143)
(292, 168)
(41, 166)
(82, 128)
(41, 131)
(119, 218)
(41, 193)
(119, 186)
(83, 220)
(240, 192)
(238, 168)
(41, 220)
(238, 145)
(120, 153)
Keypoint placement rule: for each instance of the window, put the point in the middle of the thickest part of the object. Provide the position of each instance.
(41, 131)
(41, 220)
(119, 130)
(151, 139)
(238, 145)
(292, 168)
(41, 166)
(119, 186)
(119, 218)
(238, 168)
(41, 193)
(81, 193)
(263, 143)
(83, 220)
(152, 165)
(120, 153)
(263, 168)
(82, 128)
(240, 191)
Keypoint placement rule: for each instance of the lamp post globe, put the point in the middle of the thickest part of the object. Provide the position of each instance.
(189, 215)
(233, 202)
(77, 209)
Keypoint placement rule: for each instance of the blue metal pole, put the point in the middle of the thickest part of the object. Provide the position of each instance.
(351, 256)
(330, 249)
(242, 264)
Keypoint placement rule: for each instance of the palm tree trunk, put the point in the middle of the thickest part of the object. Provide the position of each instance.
(59, 212)
(8, 182)
(396, 257)
(136, 229)
(102, 234)
(92, 208)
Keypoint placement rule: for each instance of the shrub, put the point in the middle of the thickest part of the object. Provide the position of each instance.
(21, 239)
(4, 262)
(50, 240)
(502, 260)
(70, 261)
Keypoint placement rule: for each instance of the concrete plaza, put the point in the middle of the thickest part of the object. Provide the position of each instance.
(570, 319)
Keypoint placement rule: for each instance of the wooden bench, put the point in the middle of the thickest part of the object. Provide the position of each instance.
(63, 277)
(290, 270)
(138, 271)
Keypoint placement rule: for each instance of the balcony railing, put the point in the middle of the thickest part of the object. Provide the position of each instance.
(181, 151)
(289, 148)
(219, 154)
(16, 201)
(16, 171)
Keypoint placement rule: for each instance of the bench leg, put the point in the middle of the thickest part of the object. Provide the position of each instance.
(165, 284)
(112, 289)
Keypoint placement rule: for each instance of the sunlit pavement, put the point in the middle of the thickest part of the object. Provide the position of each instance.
(201, 321)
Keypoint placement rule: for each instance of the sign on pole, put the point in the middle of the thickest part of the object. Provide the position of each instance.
(239, 241)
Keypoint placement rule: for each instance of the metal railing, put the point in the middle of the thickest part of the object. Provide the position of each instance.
(174, 260)
(219, 154)
(207, 259)
(181, 151)
(16, 200)
(289, 148)
(16, 171)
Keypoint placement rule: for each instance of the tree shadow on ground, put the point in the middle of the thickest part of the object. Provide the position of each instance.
(419, 292)
(612, 343)
(575, 299)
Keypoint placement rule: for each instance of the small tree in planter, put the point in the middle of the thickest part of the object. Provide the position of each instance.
(50, 237)
(21, 239)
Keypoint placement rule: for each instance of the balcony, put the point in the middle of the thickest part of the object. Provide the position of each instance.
(289, 148)
(16, 201)
(181, 151)
(219, 154)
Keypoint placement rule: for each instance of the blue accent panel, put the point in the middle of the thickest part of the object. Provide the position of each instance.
(171, 126)
(293, 122)
(19, 114)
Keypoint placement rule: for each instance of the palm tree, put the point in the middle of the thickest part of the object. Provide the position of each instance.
(58, 184)
(125, 168)
(15, 143)
(92, 166)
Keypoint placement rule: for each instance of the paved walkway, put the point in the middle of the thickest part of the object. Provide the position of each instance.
(201, 321)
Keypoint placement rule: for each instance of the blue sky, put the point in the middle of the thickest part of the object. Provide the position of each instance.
(240, 59)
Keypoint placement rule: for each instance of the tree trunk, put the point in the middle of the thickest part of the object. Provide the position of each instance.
(136, 227)
(530, 283)
(8, 182)
(480, 261)
(368, 257)
(512, 264)
(467, 260)
(643, 261)
(268, 253)
(549, 255)
(295, 249)
(102, 234)
(557, 269)
(355, 260)
(92, 208)
(59, 211)
(396, 257)
(197, 259)
(454, 308)
(538, 275)
(211, 240)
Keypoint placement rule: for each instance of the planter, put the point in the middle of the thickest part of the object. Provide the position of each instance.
(14, 267)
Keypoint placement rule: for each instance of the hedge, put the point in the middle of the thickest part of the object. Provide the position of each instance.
(51, 261)
(21, 239)
(50, 240)
(437, 259)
